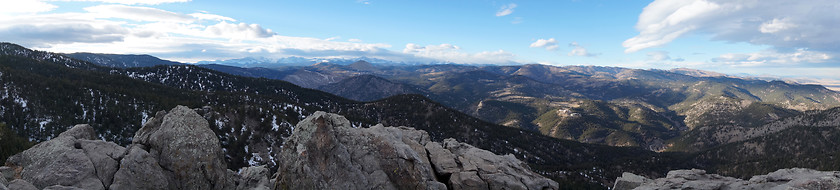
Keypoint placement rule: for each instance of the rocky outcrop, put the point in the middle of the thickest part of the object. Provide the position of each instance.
(796, 178)
(174, 150)
(177, 150)
(325, 152)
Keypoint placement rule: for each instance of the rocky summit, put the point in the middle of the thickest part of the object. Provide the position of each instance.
(326, 152)
(177, 150)
(796, 178)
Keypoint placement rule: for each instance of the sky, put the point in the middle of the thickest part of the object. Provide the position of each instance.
(781, 38)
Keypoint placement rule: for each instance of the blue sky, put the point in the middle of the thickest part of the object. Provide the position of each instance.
(797, 39)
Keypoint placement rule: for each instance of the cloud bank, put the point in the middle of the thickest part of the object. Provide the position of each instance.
(796, 31)
(128, 27)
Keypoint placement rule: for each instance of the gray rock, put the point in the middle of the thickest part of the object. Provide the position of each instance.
(185, 146)
(796, 178)
(324, 152)
(467, 180)
(442, 160)
(105, 157)
(80, 131)
(60, 161)
(139, 170)
(20, 184)
(150, 127)
(497, 171)
(60, 187)
(629, 181)
(174, 150)
(6, 174)
(254, 178)
(3, 175)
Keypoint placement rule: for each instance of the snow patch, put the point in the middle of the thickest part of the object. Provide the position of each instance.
(44, 123)
(274, 126)
(145, 117)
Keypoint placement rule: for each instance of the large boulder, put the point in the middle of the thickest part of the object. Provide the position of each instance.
(796, 178)
(67, 160)
(325, 152)
(629, 181)
(186, 148)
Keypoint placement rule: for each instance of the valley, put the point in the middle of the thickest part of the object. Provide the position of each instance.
(603, 105)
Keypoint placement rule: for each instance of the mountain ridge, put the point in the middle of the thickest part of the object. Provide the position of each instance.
(252, 116)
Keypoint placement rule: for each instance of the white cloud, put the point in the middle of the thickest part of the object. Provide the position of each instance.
(506, 10)
(124, 29)
(773, 57)
(333, 38)
(658, 56)
(453, 53)
(776, 25)
(131, 29)
(366, 2)
(133, 2)
(549, 44)
(782, 24)
(205, 16)
(580, 50)
(137, 13)
(662, 57)
(25, 6)
(240, 31)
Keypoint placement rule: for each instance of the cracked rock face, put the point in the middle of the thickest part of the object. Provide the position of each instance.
(325, 152)
(795, 178)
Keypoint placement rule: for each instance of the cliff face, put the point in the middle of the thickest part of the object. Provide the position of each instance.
(177, 150)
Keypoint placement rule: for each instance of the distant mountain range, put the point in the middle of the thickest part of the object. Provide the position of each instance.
(250, 62)
(605, 105)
